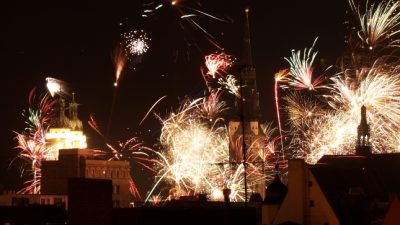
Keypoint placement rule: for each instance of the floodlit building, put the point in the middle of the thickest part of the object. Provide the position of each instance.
(66, 132)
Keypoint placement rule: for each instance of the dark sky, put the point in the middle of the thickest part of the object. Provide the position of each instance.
(73, 42)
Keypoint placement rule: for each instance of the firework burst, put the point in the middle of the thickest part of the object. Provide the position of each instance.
(217, 64)
(132, 150)
(326, 122)
(301, 69)
(193, 152)
(31, 142)
(198, 156)
(320, 129)
(136, 42)
(379, 24)
(230, 83)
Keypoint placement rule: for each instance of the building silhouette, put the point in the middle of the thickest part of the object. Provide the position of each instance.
(82, 163)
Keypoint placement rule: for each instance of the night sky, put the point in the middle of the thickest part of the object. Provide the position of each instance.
(73, 42)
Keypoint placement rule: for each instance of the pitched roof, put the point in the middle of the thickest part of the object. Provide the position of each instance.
(358, 187)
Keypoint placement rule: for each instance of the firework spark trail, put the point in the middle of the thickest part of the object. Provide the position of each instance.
(186, 15)
(119, 58)
(151, 108)
(206, 14)
(301, 70)
(189, 17)
(379, 24)
(136, 42)
(279, 77)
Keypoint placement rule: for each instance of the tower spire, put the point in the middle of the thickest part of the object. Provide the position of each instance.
(247, 54)
(363, 135)
(248, 104)
(246, 125)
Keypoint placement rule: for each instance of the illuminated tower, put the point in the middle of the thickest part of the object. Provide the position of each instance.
(65, 132)
(363, 145)
(247, 124)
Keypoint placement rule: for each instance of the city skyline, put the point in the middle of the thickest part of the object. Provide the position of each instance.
(76, 48)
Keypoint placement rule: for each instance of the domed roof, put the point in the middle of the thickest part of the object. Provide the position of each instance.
(275, 192)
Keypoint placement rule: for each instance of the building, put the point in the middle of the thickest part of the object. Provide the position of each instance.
(10, 198)
(81, 163)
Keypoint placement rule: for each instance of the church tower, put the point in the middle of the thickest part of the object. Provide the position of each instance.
(246, 124)
(248, 106)
(363, 145)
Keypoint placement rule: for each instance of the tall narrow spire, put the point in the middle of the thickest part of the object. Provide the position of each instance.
(248, 105)
(363, 135)
(246, 125)
(247, 57)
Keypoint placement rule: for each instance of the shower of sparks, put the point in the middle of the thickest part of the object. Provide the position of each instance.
(217, 64)
(119, 57)
(319, 129)
(301, 110)
(195, 156)
(136, 42)
(231, 84)
(379, 24)
(301, 69)
(31, 142)
(326, 123)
